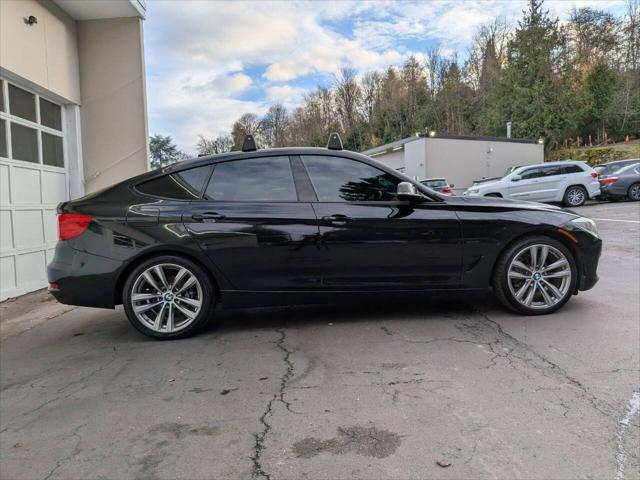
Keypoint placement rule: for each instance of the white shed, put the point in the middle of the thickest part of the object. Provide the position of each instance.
(459, 159)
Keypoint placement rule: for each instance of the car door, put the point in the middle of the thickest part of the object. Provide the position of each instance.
(253, 228)
(526, 188)
(370, 239)
(550, 182)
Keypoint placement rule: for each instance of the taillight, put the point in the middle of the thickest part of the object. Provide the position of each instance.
(594, 174)
(71, 225)
(446, 190)
(608, 181)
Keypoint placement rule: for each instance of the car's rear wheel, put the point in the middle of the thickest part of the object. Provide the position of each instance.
(575, 196)
(168, 297)
(535, 276)
(634, 192)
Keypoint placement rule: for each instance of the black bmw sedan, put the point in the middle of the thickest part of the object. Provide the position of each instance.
(304, 225)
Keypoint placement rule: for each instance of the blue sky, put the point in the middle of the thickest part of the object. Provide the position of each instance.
(208, 62)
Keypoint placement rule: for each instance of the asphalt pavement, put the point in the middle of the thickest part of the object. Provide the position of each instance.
(439, 387)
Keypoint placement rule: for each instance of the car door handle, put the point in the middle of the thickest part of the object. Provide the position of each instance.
(337, 219)
(199, 217)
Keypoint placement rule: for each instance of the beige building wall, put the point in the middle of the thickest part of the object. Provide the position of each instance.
(463, 161)
(45, 53)
(113, 100)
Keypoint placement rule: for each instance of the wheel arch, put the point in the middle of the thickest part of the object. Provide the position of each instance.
(554, 234)
(143, 257)
(493, 194)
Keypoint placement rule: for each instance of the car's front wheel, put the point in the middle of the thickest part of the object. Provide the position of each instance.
(168, 297)
(575, 196)
(535, 276)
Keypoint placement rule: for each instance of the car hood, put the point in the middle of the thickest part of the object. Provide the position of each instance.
(505, 203)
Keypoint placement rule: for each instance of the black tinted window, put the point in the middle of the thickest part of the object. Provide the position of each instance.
(530, 173)
(572, 169)
(184, 185)
(267, 179)
(339, 179)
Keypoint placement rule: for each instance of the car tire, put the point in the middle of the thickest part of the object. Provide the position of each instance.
(575, 196)
(634, 192)
(169, 297)
(509, 278)
(495, 195)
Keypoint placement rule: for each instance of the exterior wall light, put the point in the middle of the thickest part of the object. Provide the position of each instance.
(541, 140)
(432, 133)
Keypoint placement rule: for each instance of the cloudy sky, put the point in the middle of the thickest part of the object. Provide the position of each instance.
(210, 61)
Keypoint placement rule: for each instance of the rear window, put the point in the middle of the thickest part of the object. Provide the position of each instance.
(183, 185)
(434, 183)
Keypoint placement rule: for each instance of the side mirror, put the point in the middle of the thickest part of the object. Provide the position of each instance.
(408, 191)
(516, 178)
(451, 185)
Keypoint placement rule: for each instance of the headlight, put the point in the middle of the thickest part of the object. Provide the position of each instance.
(585, 224)
(473, 191)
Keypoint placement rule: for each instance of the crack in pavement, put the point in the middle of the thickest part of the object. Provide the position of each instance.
(74, 452)
(598, 404)
(260, 438)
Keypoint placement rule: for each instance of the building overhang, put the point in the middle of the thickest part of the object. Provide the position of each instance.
(101, 9)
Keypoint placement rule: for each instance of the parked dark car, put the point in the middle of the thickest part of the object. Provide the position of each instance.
(305, 225)
(610, 168)
(624, 183)
(440, 185)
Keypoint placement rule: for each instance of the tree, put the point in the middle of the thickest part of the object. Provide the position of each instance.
(247, 124)
(163, 151)
(274, 126)
(600, 86)
(535, 89)
(213, 146)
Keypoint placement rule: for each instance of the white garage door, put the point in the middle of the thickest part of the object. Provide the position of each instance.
(33, 180)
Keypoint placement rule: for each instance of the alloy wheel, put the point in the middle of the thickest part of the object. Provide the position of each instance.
(575, 196)
(166, 298)
(634, 192)
(539, 276)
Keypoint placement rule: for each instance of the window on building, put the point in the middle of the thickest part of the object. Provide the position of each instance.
(52, 151)
(50, 114)
(184, 185)
(31, 127)
(266, 179)
(340, 179)
(3, 138)
(24, 143)
(22, 103)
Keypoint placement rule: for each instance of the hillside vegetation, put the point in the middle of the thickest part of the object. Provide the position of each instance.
(597, 155)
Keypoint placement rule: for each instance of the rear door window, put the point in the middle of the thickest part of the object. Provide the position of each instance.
(551, 171)
(337, 179)
(264, 179)
(182, 185)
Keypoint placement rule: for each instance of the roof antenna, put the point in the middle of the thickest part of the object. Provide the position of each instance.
(334, 142)
(249, 144)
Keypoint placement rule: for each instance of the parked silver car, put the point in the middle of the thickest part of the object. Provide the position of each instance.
(570, 182)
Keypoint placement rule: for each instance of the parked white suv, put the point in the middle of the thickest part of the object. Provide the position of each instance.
(569, 182)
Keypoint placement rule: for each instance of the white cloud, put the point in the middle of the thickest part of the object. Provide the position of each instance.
(285, 94)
